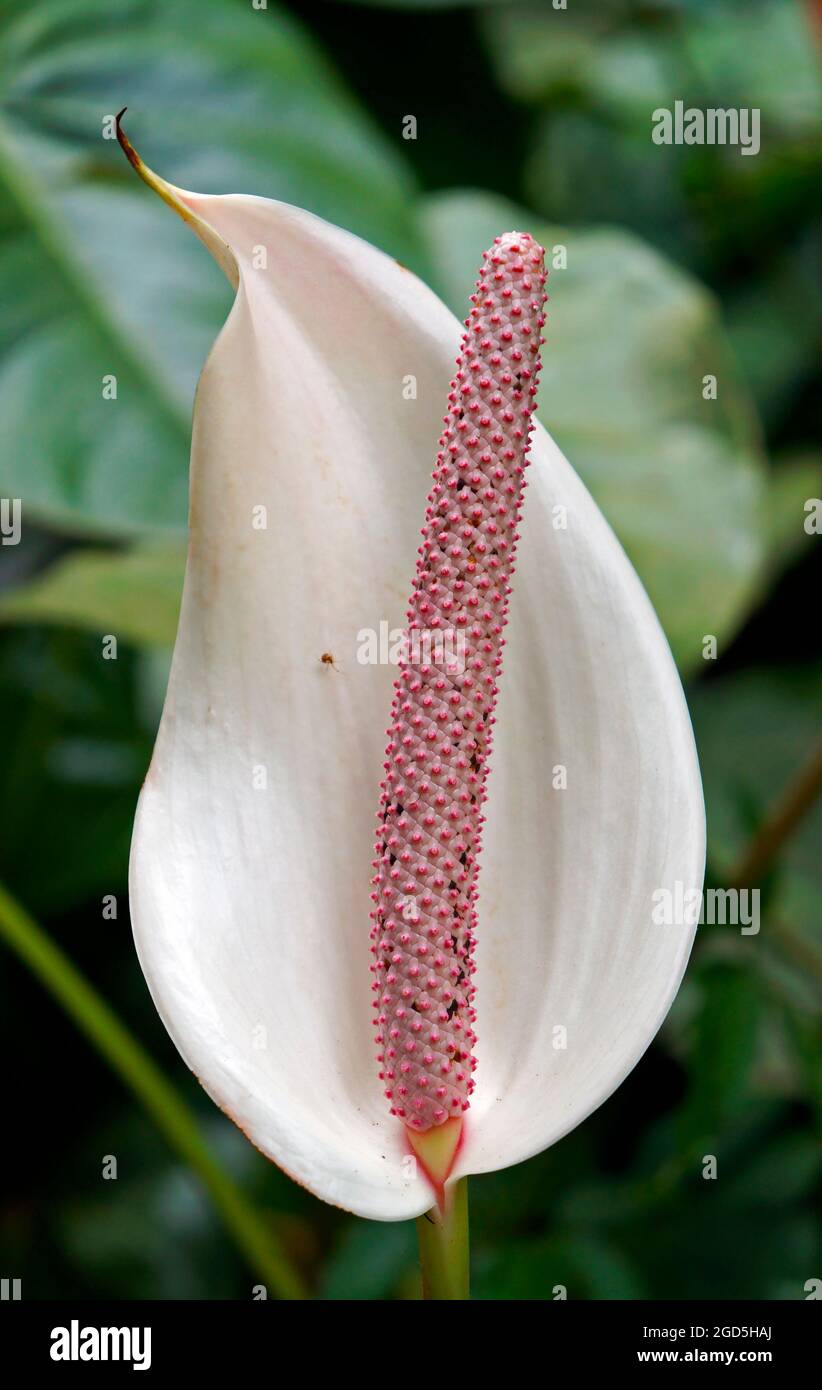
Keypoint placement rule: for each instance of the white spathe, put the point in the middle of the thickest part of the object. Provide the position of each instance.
(251, 860)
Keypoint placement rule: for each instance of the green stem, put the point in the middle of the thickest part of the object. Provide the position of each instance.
(444, 1246)
(246, 1226)
(794, 802)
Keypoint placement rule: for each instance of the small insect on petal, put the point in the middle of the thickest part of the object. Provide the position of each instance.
(439, 741)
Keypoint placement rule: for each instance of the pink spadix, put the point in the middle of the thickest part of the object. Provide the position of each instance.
(439, 741)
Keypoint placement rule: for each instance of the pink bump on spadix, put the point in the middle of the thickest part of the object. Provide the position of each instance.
(442, 717)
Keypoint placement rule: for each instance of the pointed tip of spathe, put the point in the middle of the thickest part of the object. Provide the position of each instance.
(166, 191)
(124, 142)
(182, 203)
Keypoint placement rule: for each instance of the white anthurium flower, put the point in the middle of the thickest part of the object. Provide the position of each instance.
(251, 862)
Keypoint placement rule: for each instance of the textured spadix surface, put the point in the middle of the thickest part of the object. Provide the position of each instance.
(442, 718)
(250, 873)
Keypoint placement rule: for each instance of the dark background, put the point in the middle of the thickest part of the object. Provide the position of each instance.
(682, 261)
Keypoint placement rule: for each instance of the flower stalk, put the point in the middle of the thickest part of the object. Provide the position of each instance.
(443, 1238)
(792, 805)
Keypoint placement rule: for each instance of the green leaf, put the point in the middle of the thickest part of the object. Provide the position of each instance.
(133, 595)
(100, 279)
(599, 78)
(700, 1251)
(795, 481)
(539, 53)
(583, 168)
(773, 321)
(152, 1236)
(421, 4)
(369, 1260)
(778, 1174)
(629, 338)
(585, 1267)
(726, 1033)
(733, 53)
(754, 730)
(76, 756)
(741, 52)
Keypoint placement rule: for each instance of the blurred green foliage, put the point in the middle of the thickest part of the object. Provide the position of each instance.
(681, 262)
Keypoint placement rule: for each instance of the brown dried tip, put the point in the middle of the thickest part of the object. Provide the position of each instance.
(179, 202)
(125, 144)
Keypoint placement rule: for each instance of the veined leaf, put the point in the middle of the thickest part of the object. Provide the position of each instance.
(98, 280)
(132, 594)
